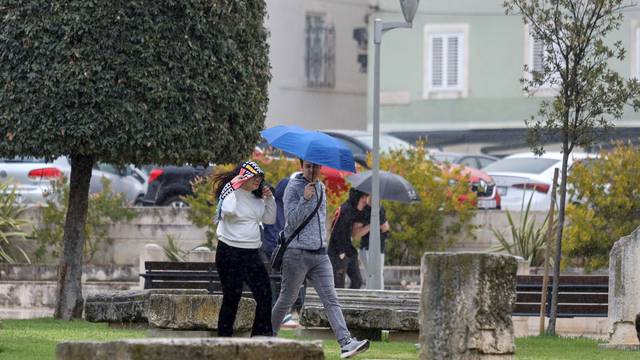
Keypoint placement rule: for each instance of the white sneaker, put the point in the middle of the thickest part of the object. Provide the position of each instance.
(287, 318)
(353, 348)
(291, 324)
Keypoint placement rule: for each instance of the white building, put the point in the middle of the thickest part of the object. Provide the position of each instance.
(317, 81)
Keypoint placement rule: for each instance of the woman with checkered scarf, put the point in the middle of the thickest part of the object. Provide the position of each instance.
(244, 202)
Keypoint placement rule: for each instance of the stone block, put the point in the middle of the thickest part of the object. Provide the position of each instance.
(624, 290)
(202, 254)
(195, 312)
(466, 305)
(150, 252)
(194, 348)
(117, 307)
(382, 318)
(125, 306)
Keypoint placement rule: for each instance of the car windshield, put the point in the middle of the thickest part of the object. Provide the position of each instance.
(444, 157)
(521, 165)
(22, 160)
(387, 142)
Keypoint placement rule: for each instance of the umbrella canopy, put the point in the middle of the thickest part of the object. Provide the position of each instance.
(312, 146)
(392, 186)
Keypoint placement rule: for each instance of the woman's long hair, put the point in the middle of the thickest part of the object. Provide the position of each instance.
(221, 179)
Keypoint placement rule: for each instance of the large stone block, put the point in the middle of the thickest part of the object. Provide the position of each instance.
(624, 290)
(117, 306)
(466, 305)
(382, 318)
(125, 306)
(181, 349)
(195, 312)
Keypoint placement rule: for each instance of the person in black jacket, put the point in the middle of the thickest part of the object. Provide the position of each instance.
(342, 253)
(361, 227)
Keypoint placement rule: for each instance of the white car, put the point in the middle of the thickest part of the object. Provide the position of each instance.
(525, 176)
(31, 178)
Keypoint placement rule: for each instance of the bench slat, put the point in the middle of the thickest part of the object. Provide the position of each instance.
(179, 266)
(585, 298)
(565, 279)
(564, 310)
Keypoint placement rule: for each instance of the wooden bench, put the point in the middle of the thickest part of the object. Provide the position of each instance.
(191, 275)
(578, 296)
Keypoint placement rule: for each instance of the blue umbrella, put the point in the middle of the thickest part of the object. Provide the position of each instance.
(312, 146)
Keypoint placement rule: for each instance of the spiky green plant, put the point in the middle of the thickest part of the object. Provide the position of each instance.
(11, 225)
(528, 240)
(173, 251)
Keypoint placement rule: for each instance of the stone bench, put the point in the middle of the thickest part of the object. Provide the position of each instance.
(194, 312)
(367, 313)
(125, 307)
(181, 349)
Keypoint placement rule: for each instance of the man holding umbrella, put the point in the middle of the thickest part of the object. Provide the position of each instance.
(305, 209)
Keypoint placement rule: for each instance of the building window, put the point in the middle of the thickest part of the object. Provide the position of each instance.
(320, 54)
(446, 61)
(537, 54)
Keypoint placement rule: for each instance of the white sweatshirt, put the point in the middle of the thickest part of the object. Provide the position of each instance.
(242, 213)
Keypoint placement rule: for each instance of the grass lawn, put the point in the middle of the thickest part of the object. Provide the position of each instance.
(36, 339)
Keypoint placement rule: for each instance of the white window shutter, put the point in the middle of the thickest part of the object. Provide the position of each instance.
(453, 69)
(537, 54)
(445, 61)
(437, 57)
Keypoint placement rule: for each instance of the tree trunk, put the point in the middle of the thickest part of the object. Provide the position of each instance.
(551, 329)
(69, 301)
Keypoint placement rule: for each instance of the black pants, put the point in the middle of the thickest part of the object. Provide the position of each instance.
(348, 266)
(235, 267)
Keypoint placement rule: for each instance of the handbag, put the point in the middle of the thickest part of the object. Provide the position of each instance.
(283, 242)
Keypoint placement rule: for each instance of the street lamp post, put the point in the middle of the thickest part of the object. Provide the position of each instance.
(409, 9)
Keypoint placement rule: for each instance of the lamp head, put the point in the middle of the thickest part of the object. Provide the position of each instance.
(409, 9)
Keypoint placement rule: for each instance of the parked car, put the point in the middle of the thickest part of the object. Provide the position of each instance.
(360, 143)
(168, 185)
(525, 176)
(476, 161)
(31, 177)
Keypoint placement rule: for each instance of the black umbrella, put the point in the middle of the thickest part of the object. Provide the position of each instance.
(392, 186)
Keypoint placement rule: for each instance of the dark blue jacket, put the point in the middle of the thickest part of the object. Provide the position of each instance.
(271, 231)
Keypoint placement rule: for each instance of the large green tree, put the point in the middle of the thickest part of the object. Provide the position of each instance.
(575, 66)
(120, 81)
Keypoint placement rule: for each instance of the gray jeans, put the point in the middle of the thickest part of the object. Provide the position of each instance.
(296, 266)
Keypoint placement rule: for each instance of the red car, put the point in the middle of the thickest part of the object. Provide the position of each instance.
(484, 187)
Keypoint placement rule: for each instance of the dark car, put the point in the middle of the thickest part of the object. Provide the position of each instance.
(170, 184)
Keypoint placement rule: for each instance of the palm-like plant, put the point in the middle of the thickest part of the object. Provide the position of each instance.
(528, 240)
(10, 225)
(173, 251)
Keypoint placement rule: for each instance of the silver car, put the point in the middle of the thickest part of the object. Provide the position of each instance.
(31, 177)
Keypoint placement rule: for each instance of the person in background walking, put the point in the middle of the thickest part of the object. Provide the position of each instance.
(243, 203)
(271, 231)
(361, 228)
(343, 256)
(306, 256)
